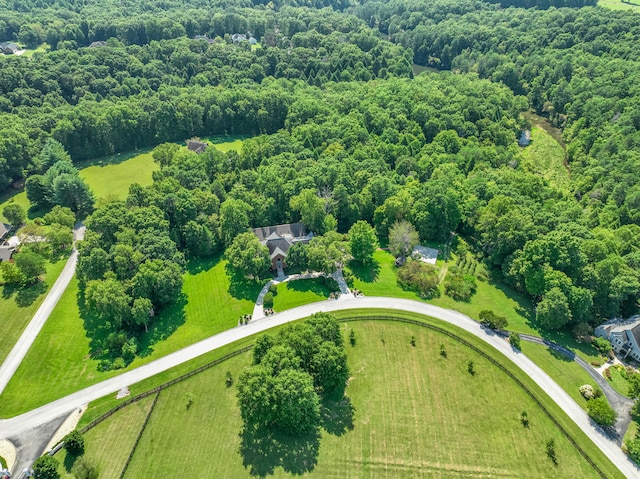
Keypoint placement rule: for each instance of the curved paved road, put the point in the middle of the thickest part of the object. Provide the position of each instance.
(32, 419)
(21, 348)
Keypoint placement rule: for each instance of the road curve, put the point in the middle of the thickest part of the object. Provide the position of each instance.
(14, 426)
(21, 348)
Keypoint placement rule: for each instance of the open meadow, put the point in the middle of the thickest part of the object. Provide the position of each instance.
(415, 413)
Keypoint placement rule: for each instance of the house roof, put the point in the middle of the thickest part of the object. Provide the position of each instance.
(289, 230)
(9, 45)
(5, 252)
(197, 146)
(99, 43)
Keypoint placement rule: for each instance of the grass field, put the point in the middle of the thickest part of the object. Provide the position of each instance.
(296, 293)
(212, 305)
(107, 445)
(110, 177)
(545, 157)
(417, 414)
(18, 305)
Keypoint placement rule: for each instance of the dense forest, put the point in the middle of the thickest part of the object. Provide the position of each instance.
(342, 129)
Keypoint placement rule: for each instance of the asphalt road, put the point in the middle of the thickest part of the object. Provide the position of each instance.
(21, 348)
(25, 422)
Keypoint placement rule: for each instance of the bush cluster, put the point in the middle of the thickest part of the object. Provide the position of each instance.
(419, 277)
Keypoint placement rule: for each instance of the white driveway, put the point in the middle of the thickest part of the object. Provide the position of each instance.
(20, 349)
(27, 421)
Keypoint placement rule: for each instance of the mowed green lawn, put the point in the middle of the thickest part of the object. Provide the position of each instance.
(18, 305)
(110, 177)
(416, 414)
(108, 444)
(297, 293)
(211, 306)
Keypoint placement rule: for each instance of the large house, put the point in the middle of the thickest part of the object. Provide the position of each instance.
(279, 239)
(624, 336)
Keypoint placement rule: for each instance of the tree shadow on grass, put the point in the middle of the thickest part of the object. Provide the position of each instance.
(263, 451)
(337, 416)
(163, 326)
(316, 286)
(367, 273)
(69, 461)
(200, 265)
(26, 296)
(96, 329)
(241, 287)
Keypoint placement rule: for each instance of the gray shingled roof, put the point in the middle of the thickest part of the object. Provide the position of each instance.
(292, 230)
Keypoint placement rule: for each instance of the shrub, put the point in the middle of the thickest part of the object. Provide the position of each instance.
(633, 449)
(419, 277)
(85, 468)
(118, 363)
(352, 337)
(413, 341)
(267, 301)
(514, 340)
(188, 399)
(551, 451)
(596, 364)
(471, 368)
(273, 289)
(582, 332)
(600, 411)
(46, 467)
(229, 379)
(491, 320)
(458, 285)
(597, 392)
(443, 351)
(74, 443)
(587, 391)
(607, 373)
(602, 345)
(524, 419)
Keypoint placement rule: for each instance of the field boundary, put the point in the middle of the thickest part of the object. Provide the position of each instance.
(140, 433)
(399, 319)
(157, 389)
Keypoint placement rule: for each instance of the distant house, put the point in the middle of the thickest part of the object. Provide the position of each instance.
(9, 48)
(624, 336)
(279, 239)
(525, 138)
(238, 37)
(204, 37)
(196, 146)
(98, 44)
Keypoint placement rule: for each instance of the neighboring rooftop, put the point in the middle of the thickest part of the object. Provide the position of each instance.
(426, 254)
(196, 145)
(9, 47)
(4, 230)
